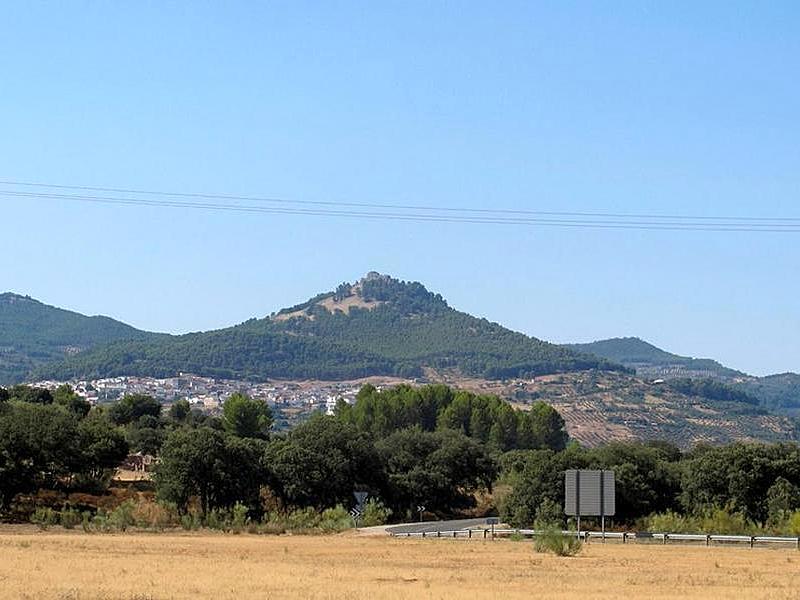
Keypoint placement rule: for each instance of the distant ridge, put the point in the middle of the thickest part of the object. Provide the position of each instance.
(33, 333)
(649, 360)
(378, 325)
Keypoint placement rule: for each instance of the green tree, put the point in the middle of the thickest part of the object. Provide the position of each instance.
(32, 395)
(738, 476)
(537, 480)
(65, 396)
(246, 417)
(39, 445)
(503, 433)
(180, 411)
(547, 427)
(103, 447)
(440, 469)
(134, 406)
(145, 437)
(783, 498)
(219, 469)
(321, 462)
(645, 481)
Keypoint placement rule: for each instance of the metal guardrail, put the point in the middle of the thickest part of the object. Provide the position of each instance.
(624, 537)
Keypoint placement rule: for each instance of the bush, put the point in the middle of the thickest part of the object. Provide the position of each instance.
(335, 519)
(86, 521)
(122, 517)
(375, 513)
(549, 515)
(44, 517)
(239, 517)
(794, 523)
(302, 519)
(100, 522)
(724, 521)
(557, 542)
(191, 521)
(70, 518)
(672, 522)
(217, 519)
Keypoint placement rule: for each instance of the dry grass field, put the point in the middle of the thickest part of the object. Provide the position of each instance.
(79, 566)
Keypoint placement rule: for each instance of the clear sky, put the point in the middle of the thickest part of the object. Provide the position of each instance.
(649, 107)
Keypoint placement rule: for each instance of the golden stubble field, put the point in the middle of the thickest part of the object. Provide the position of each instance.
(78, 566)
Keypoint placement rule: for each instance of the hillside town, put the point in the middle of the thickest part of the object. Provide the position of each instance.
(290, 400)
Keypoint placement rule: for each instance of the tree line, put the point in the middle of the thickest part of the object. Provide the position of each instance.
(405, 446)
(756, 485)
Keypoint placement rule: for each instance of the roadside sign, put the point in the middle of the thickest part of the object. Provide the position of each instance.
(360, 497)
(356, 514)
(492, 521)
(420, 510)
(589, 493)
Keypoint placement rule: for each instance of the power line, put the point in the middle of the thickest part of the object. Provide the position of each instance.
(575, 220)
(398, 206)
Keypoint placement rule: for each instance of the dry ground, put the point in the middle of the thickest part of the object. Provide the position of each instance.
(78, 566)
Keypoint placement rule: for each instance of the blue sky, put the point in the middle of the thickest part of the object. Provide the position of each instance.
(638, 107)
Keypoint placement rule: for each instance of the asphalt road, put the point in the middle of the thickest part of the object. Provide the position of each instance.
(434, 526)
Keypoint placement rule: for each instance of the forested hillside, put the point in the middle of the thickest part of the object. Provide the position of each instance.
(777, 393)
(378, 326)
(648, 359)
(780, 393)
(32, 333)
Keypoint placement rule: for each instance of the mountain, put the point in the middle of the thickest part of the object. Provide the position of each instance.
(33, 333)
(376, 326)
(779, 393)
(776, 393)
(648, 360)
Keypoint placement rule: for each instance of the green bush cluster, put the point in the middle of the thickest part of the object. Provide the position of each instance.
(375, 514)
(723, 521)
(557, 542)
(44, 517)
(308, 521)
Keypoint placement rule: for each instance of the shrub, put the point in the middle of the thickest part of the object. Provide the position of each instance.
(122, 517)
(191, 521)
(100, 522)
(549, 515)
(216, 519)
(239, 517)
(70, 518)
(557, 542)
(86, 521)
(723, 521)
(375, 513)
(794, 523)
(727, 521)
(302, 519)
(335, 519)
(44, 517)
(671, 522)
